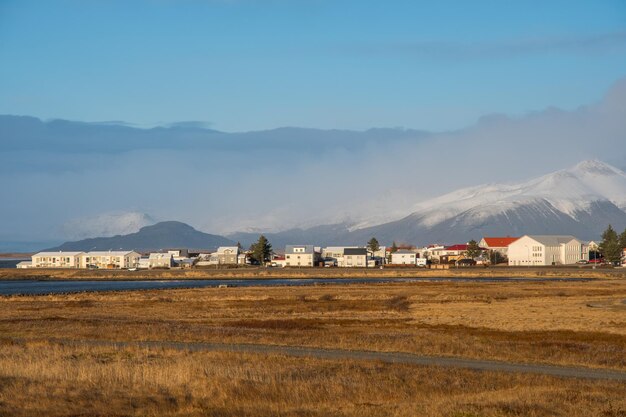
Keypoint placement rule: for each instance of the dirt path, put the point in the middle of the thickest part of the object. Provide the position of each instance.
(389, 357)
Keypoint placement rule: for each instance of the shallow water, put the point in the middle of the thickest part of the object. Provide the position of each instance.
(33, 287)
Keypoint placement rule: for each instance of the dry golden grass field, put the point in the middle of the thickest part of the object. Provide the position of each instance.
(51, 364)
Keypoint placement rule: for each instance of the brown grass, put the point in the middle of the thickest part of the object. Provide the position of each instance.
(572, 323)
(56, 380)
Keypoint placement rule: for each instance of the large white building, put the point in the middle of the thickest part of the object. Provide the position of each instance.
(537, 250)
(96, 259)
(57, 259)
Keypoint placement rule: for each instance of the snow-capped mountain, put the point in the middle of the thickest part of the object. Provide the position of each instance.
(571, 191)
(106, 225)
(581, 201)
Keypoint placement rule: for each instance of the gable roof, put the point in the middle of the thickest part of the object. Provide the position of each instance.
(110, 253)
(59, 253)
(289, 249)
(552, 240)
(499, 242)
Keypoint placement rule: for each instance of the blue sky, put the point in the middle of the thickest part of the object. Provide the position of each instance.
(243, 65)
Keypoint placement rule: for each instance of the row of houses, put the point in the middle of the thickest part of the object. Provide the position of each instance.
(132, 259)
(528, 250)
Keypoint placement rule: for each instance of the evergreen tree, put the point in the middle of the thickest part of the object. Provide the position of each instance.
(373, 245)
(473, 250)
(622, 240)
(261, 250)
(610, 246)
(394, 247)
(239, 245)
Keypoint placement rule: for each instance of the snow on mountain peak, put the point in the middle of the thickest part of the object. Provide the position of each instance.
(571, 191)
(595, 167)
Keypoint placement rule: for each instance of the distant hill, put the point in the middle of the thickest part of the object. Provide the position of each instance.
(162, 235)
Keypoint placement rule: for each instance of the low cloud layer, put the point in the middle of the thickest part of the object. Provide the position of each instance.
(53, 173)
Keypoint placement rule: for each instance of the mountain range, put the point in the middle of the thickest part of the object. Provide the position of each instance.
(581, 201)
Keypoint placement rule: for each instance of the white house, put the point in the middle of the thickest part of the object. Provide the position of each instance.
(24, 264)
(160, 260)
(403, 257)
(56, 259)
(300, 255)
(354, 258)
(110, 259)
(228, 255)
(539, 250)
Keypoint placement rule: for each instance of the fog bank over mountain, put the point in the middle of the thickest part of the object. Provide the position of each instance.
(62, 179)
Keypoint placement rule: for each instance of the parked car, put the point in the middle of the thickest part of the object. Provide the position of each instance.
(596, 261)
(466, 262)
(582, 262)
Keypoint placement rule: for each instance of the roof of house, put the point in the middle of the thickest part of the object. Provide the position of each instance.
(456, 247)
(110, 253)
(308, 249)
(59, 253)
(337, 248)
(552, 240)
(355, 251)
(223, 249)
(459, 247)
(405, 252)
(499, 242)
(158, 255)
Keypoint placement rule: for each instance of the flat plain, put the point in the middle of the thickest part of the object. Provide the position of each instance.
(57, 356)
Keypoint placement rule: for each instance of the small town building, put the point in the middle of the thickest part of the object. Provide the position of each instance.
(160, 260)
(278, 261)
(497, 244)
(57, 259)
(403, 257)
(24, 264)
(227, 255)
(537, 250)
(301, 255)
(354, 258)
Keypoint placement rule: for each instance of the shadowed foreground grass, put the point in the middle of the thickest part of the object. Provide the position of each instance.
(54, 380)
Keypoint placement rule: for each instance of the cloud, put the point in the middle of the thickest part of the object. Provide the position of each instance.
(602, 43)
(283, 178)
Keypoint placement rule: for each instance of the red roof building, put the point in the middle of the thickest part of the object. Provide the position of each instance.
(497, 242)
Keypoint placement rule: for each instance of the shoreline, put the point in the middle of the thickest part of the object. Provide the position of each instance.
(301, 273)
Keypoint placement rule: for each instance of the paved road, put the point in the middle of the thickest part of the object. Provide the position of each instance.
(390, 357)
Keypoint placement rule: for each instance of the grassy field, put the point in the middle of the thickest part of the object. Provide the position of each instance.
(566, 323)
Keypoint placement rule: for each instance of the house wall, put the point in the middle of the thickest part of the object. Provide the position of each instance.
(403, 258)
(352, 261)
(59, 260)
(299, 259)
(529, 252)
